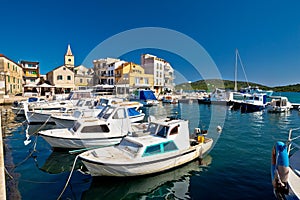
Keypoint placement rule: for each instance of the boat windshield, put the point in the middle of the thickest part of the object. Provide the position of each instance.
(105, 113)
(75, 127)
(129, 147)
(103, 102)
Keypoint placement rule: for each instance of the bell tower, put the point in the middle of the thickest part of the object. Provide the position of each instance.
(69, 58)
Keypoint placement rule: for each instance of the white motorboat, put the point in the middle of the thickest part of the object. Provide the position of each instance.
(165, 145)
(279, 104)
(18, 107)
(113, 123)
(169, 98)
(67, 121)
(41, 116)
(145, 97)
(285, 167)
(251, 103)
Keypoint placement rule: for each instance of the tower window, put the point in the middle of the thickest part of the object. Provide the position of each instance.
(69, 60)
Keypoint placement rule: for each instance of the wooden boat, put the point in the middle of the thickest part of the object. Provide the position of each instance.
(285, 168)
(165, 145)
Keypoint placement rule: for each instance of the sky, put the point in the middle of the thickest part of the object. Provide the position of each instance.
(266, 33)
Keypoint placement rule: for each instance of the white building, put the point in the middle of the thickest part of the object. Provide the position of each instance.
(104, 70)
(101, 70)
(162, 71)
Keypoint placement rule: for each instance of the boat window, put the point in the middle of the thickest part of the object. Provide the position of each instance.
(129, 146)
(88, 103)
(174, 130)
(32, 99)
(105, 113)
(95, 128)
(162, 131)
(120, 114)
(170, 146)
(103, 102)
(76, 126)
(152, 128)
(152, 150)
(80, 103)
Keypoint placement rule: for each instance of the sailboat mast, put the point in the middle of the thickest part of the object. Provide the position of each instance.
(235, 70)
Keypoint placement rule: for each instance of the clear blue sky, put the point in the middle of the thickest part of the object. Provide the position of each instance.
(267, 33)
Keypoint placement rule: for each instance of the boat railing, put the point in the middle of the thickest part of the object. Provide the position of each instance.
(290, 142)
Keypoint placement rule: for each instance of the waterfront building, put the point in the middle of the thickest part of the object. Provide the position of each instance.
(131, 76)
(63, 77)
(10, 77)
(83, 76)
(31, 72)
(103, 72)
(162, 72)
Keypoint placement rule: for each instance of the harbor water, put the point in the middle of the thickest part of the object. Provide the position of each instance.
(238, 167)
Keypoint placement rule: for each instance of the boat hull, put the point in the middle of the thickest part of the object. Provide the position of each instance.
(146, 167)
(76, 143)
(38, 118)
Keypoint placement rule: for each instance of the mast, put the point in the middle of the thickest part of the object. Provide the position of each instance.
(238, 58)
(235, 71)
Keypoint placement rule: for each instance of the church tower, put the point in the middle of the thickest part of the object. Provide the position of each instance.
(69, 58)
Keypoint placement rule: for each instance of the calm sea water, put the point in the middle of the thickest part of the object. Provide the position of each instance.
(238, 167)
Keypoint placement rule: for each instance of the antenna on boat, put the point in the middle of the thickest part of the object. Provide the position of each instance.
(237, 56)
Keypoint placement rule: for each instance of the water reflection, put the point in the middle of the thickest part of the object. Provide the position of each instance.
(59, 162)
(174, 183)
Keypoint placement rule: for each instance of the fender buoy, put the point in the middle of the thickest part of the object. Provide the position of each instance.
(280, 167)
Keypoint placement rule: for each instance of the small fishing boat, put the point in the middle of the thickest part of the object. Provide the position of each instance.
(110, 126)
(279, 104)
(18, 107)
(145, 97)
(285, 167)
(169, 98)
(41, 116)
(165, 144)
(251, 103)
(67, 121)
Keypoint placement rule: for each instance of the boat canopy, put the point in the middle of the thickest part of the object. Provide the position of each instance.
(147, 95)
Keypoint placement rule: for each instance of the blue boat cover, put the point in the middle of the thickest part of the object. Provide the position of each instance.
(147, 95)
(133, 112)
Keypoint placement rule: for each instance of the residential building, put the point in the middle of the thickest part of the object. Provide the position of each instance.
(162, 71)
(31, 72)
(132, 76)
(102, 70)
(83, 76)
(10, 76)
(111, 71)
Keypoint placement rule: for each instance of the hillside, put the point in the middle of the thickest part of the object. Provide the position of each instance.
(215, 83)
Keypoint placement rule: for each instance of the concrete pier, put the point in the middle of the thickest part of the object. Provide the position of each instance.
(2, 172)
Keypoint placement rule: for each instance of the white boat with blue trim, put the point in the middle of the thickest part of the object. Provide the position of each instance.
(113, 123)
(166, 144)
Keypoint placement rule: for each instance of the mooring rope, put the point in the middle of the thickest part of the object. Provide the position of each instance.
(69, 178)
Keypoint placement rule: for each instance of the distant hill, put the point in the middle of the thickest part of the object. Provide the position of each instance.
(216, 83)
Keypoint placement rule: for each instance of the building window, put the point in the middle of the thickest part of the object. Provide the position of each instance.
(146, 81)
(8, 79)
(81, 80)
(14, 80)
(59, 77)
(7, 65)
(68, 78)
(64, 68)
